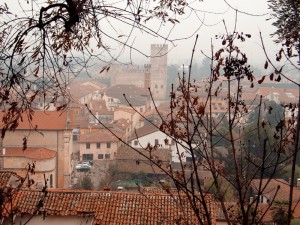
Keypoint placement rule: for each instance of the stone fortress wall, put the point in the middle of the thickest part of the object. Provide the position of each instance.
(153, 75)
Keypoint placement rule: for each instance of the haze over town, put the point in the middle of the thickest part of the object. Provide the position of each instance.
(132, 112)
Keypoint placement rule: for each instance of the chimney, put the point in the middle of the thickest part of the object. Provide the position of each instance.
(106, 187)
(3, 151)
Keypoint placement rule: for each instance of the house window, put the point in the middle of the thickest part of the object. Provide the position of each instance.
(136, 143)
(108, 145)
(87, 157)
(100, 156)
(75, 137)
(189, 159)
(98, 145)
(107, 156)
(51, 180)
(166, 141)
(87, 145)
(156, 142)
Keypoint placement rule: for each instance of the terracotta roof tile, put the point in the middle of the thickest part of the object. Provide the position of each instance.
(99, 106)
(271, 188)
(45, 120)
(125, 109)
(111, 207)
(31, 153)
(135, 95)
(102, 135)
(148, 128)
(122, 124)
(8, 178)
(79, 90)
(285, 95)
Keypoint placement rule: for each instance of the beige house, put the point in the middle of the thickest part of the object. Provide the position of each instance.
(99, 145)
(128, 114)
(84, 92)
(48, 131)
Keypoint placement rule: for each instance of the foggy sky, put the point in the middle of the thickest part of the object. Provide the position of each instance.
(206, 22)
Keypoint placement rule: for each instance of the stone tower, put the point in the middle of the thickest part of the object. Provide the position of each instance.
(158, 71)
(147, 82)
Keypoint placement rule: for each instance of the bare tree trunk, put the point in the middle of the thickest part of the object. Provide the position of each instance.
(295, 153)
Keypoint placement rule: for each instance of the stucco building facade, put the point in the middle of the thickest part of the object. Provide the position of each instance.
(48, 131)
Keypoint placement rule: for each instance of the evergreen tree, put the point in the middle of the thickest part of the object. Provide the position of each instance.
(87, 183)
(286, 15)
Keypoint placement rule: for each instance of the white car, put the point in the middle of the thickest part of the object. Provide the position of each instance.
(83, 167)
(86, 163)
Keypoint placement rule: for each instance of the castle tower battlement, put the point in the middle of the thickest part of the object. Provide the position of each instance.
(147, 68)
(153, 75)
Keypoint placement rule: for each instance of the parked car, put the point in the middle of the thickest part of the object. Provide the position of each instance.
(90, 163)
(83, 167)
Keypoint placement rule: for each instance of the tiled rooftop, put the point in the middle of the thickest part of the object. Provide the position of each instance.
(122, 124)
(271, 189)
(79, 90)
(285, 95)
(125, 109)
(148, 128)
(30, 152)
(135, 95)
(102, 135)
(45, 120)
(110, 207)
(99, 107)
(8, 178)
